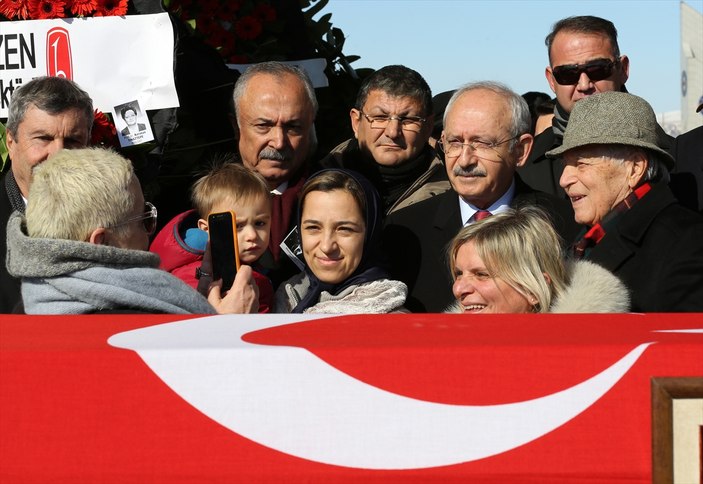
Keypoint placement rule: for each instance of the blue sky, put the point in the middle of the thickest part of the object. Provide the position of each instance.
(451, 42)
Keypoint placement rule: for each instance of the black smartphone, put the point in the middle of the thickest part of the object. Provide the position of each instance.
(222, 228)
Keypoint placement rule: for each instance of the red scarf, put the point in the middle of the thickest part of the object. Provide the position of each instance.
(596, 233)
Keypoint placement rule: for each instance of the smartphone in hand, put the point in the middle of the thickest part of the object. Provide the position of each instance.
(222, 228)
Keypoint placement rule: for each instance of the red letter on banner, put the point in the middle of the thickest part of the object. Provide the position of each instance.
(58, 52)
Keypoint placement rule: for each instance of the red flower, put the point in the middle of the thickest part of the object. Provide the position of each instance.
(104, 132)
(14, 8)
(228, 10)
(82, 7)
(107, 8)
(43, 9)
(265, 13)
(248, 28)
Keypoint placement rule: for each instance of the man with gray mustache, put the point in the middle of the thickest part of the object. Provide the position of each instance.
(275, 107)
(486, 138)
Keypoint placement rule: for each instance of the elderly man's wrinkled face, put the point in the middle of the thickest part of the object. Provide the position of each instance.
(482, 170)
(275, 120)
(394, 141)
(573, 56)
(40, 135)
(596, 183)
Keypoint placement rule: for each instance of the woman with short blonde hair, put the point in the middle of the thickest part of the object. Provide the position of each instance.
(512, 262)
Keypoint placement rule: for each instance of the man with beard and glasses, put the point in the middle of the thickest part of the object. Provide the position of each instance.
(275, 108)
(486, 138)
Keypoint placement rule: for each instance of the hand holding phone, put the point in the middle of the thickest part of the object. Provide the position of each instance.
(222, 229)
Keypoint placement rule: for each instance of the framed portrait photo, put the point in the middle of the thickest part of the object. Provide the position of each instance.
(677, 430)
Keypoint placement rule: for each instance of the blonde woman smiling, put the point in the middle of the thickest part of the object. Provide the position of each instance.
(511, 262)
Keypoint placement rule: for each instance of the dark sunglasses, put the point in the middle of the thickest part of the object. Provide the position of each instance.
(596, 70)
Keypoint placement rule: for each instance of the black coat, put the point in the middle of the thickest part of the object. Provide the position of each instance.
(10, 200)
(416, 239)
(687, 178)
(656, 249)
(540, 172)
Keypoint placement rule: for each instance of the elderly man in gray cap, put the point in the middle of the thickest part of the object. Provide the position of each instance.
(616, 173)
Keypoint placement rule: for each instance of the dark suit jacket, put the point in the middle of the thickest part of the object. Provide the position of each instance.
(540, 172)
(656, 249)
(687, 178)
(416, 240)
(10, 200)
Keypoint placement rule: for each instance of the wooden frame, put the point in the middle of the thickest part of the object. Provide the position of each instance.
(664, 391)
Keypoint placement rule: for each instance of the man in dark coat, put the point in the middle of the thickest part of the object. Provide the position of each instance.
(584, 59)
(275, 107)
(45, 115)
(483, 147)
(392, 122)
(616, 174)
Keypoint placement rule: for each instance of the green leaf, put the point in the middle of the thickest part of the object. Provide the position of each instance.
(3, 147)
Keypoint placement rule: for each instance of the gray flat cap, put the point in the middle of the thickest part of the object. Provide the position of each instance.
(614, 118)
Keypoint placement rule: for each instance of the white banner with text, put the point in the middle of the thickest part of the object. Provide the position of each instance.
(111, 58)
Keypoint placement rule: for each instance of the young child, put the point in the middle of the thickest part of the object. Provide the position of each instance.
(227, 186)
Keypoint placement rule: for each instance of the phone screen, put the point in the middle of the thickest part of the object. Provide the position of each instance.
(222, 227)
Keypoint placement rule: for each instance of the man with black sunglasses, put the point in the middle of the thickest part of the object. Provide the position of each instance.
(584, 59)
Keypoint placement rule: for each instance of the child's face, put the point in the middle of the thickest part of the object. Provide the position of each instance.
(253, 225)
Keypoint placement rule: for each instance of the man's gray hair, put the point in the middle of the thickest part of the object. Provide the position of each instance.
(521, 119)
(53, 95)
(656, 171)
(278, 70)
(76, 191)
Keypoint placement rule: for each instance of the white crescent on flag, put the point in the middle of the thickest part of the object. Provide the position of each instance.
(288, 399)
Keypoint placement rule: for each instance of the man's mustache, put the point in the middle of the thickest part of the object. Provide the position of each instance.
(269, 153)
(474, 171)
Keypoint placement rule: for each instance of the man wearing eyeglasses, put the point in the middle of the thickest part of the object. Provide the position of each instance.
(392, 122)
(46, 115)
(584, 59)
(82, 245)
(486, 138)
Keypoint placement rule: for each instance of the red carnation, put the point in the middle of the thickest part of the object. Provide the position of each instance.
(109, 8)
(248, 28)
(43, 9)
(14, 8)
(82, 7)
(265, 13)
(104, 132)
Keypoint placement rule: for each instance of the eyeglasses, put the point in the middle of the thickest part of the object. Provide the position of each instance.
(148, 218)
(596, 70)
(408, 123)
(482, 149)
